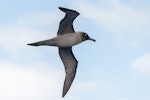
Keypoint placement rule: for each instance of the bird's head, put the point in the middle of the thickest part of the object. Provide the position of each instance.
(85, 36)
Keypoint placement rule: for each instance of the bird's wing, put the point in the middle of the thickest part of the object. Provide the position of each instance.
(70, 64)
(66, 54)
(66, 24)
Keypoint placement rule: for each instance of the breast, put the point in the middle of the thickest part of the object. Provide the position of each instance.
(69, 40)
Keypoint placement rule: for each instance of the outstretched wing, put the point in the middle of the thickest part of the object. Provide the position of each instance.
(66, 54)
(66, 24)
(70, 64)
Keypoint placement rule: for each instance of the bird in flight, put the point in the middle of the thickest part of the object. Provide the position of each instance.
(65, 39)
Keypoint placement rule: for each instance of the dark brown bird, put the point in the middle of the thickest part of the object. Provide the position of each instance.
(65, 39)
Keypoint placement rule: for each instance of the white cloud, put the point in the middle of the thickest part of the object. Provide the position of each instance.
(26, 28)
(30, 27)
(142, 64)
(115, 17)
(29, 82)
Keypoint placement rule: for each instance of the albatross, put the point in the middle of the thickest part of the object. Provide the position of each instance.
(65, 39)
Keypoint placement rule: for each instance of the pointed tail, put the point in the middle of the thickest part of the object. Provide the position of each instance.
(36, 44)
(50, 42)
(40, 43)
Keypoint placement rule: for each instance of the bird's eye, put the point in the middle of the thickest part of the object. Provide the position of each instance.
(85, 34)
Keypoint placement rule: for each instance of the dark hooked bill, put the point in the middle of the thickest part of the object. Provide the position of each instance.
(91, 39)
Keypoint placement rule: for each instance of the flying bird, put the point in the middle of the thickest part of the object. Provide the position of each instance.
(65, 39)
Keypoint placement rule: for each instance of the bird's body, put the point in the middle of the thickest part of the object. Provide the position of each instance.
(69, 40)
(65, 39)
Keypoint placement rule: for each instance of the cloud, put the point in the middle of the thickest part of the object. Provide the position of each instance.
(141, 64)
(115, 17)
(32, 80)
(29, 27)
(29, 82)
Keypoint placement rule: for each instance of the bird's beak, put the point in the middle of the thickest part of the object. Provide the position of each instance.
(91, 39)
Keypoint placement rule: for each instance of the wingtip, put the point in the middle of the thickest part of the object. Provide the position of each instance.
(66, 10)
(62, 8)
(64, 93)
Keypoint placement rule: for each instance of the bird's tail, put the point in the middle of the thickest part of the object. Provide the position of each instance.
(50, 42)
(42, 43)
(36, 44)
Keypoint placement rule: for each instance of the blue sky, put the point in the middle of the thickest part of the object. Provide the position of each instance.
(116, 67)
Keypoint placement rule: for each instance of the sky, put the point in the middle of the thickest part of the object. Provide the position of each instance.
(115, 67)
